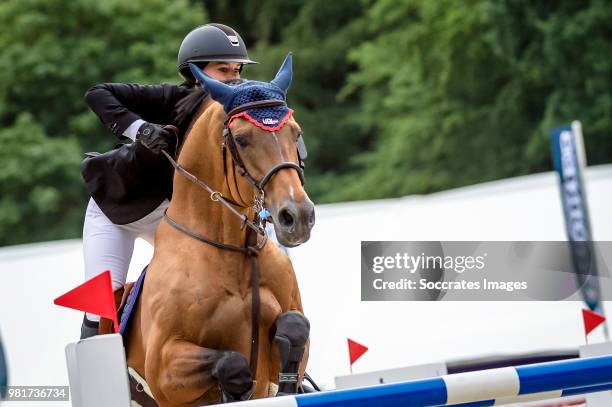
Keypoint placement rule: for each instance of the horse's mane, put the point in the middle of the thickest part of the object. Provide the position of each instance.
(186, 108)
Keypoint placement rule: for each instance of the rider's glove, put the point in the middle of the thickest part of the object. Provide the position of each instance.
(156, 137)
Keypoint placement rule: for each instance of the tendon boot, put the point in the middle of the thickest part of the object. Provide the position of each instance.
(234, 376)
(292, 332)
(88, 328)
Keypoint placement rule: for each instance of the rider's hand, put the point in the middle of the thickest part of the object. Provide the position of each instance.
(156, 137)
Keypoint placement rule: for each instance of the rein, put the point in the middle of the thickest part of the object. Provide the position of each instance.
(252, 247)
(215, 196)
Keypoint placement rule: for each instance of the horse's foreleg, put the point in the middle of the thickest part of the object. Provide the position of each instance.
(291, 336)
(234, 376)
(185, 374)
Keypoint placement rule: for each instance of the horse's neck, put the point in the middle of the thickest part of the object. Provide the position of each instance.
(191, 205)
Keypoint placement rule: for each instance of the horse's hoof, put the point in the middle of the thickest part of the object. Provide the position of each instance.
(306, 389)
(230, 398)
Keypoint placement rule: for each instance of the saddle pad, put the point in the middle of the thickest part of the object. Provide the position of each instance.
(128, 308)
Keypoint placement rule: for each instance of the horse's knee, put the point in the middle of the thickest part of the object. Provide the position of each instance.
(234, 376)
(294, 327)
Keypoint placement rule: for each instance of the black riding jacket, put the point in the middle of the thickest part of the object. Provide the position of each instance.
(125, 186)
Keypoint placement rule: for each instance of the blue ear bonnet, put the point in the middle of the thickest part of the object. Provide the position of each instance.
(269, 118)
(252, 91)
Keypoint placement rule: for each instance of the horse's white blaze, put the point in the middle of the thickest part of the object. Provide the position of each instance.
(277, 145)
(275, 137)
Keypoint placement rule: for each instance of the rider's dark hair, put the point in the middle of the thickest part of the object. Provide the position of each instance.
(187, 106)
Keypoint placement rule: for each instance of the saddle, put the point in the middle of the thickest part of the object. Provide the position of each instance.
(121, 296)
(125, 302)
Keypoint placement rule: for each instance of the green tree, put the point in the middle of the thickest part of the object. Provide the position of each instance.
(320, 34)
(52, 52)
(460, 93)
(395, 97)
(35, 203)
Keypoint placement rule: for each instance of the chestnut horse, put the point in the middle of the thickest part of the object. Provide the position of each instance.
(192, 331)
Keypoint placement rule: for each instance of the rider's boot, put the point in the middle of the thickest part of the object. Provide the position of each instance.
(105, 326)
(88, 328)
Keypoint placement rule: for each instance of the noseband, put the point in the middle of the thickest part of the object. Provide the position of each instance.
(255, 226)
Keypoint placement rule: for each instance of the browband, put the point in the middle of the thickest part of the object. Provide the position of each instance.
(253, 105)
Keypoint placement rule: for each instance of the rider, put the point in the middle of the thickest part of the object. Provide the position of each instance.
(132, 204)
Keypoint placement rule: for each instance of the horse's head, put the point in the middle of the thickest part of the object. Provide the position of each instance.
(266, 146)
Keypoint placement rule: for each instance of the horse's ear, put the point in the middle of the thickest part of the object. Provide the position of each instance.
(284, 74)
(219, 91)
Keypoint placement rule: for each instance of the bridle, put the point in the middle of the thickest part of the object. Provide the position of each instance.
(255, 226)
(230, 144)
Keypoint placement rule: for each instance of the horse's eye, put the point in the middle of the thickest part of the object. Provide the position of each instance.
(241, 141)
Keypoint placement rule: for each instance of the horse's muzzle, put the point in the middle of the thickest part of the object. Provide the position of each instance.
(293, 222)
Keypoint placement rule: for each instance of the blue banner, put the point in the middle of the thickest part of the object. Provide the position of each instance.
(575, 210)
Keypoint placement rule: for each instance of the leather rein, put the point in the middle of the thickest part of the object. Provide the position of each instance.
(255, 226)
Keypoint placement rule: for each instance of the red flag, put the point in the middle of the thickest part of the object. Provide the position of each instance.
(356, 350)
(94, 296)
(591, 320)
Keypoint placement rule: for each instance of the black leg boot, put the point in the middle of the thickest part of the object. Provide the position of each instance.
(234, 376)
(292, 332)
(88, 328)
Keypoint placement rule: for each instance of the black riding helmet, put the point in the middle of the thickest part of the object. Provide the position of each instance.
(211, 42)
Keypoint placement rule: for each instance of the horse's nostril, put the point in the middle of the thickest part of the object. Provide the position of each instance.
(286, 218)
(311, 218)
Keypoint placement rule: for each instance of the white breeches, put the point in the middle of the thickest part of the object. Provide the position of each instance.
(107, 246)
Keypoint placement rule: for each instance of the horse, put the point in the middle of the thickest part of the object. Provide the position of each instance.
(215, 286)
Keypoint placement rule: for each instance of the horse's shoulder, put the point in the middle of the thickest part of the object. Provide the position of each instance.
(276, 261)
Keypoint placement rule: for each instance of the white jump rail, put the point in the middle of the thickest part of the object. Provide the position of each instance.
(481, 388)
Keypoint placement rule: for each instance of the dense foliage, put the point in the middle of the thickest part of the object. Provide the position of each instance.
(458, 95)
(395, 96)
(52, 51)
